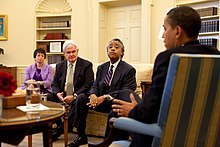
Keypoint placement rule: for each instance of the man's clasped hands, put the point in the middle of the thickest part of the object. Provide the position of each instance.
(122, 108)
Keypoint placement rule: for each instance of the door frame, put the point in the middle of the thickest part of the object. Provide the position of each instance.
(94, 28)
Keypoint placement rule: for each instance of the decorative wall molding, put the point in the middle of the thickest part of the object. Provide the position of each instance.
(53, 7)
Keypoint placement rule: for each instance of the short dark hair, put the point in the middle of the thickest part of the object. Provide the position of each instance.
(122, 45)
(39, 50)
(187, 18)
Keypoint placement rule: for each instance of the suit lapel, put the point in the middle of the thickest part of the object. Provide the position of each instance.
(117, 74)
(77, 70)
(64, 69)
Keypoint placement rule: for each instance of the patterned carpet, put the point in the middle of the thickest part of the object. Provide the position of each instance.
(38, 141)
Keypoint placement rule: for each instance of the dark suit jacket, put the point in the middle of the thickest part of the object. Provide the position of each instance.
(83, 76)
(123, 78)
(147, 111)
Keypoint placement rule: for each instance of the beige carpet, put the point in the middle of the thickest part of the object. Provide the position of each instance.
(38, 141)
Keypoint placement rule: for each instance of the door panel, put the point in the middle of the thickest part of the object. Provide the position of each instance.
(125, 24)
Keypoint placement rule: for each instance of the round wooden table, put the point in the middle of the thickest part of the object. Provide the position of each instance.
(16, 124)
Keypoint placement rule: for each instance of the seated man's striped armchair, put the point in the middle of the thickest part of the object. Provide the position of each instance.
(190, 108)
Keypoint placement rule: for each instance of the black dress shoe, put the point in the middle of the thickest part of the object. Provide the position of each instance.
(56, 134)
(78, 141)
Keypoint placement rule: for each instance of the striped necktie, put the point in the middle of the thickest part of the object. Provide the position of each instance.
(108, 76)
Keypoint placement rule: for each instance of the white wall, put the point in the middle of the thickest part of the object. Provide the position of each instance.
(80, 26)
(20, 44)
(158, 11)
(21, 29)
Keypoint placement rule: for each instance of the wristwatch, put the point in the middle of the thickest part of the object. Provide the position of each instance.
(74, 96)
(108, 97)
(105, 96)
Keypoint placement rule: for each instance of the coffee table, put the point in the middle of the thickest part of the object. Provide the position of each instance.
(16, 124)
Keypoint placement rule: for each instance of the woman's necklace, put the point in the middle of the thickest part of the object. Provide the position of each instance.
(38, 72)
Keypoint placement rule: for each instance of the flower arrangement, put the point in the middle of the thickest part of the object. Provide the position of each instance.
(7, 84)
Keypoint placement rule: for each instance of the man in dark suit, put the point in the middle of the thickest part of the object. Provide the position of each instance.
(181, 29)
(81, 79)
(108, 82)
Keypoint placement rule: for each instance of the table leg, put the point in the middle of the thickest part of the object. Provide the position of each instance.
(29, 140)
(47, 136)
(66, 125)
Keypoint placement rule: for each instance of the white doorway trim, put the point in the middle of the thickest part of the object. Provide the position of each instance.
(94, 15)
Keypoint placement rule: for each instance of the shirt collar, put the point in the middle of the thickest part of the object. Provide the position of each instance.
(115, 64)
(68, 63)
(191, 42)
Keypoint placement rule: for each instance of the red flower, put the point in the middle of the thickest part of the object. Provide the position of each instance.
(7, 84)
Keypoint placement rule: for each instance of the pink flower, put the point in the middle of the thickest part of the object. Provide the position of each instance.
(7, 84)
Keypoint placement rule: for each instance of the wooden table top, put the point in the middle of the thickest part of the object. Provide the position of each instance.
(16, 124)
(15, 117)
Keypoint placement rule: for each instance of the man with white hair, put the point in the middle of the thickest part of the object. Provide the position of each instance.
(72, 81)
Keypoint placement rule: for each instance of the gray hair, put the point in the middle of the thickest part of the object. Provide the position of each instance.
(69, 43)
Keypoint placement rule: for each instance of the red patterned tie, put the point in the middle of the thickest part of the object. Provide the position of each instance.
(108, 76)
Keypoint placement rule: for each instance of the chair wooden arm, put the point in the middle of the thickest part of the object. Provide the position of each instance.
(145, 85)
(109, 139)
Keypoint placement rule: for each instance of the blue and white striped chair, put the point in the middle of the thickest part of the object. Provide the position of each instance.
(190, 108)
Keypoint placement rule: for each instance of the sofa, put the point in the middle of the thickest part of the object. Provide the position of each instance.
(96, 121)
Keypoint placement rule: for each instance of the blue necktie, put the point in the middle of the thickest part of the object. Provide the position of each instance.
(108, 76)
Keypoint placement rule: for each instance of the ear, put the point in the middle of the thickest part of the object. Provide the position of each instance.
(179, 31)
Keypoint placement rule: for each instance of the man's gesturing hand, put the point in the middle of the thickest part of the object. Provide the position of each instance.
(122, 108)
